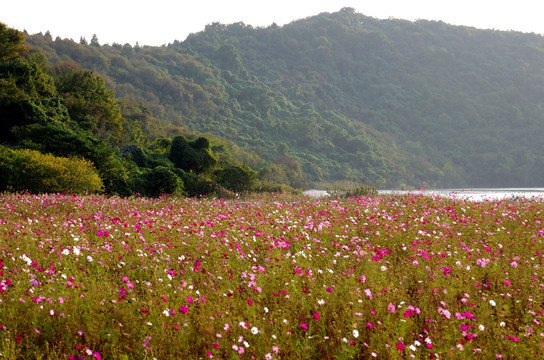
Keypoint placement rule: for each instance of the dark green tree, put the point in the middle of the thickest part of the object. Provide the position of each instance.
(94, 40)
(27, 96)
(195, 156)
(158, 181)
(90, 103)
(237, 178)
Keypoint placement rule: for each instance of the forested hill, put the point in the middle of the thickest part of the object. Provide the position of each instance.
(384, 102)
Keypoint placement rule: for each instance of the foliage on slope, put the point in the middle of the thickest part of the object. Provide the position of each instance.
(63, 129)
(344, 96)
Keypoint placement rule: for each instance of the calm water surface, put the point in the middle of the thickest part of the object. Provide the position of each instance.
(479, 194)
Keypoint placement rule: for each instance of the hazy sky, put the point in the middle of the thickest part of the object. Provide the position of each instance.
(157, 22)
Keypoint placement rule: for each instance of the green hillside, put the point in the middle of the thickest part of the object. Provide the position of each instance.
(63, 129)
(346, 96)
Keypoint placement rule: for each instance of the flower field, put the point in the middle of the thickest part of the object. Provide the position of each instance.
(411, 276)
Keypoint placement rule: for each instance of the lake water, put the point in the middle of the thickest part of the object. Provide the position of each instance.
(468, 194)
(477, 194)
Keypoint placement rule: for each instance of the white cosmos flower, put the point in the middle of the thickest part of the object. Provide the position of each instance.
(254, 330)
(26, 259)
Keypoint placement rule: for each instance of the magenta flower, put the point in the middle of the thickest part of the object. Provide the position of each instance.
(304, 326)
(400, 346)
(316, 316)
(184, 309)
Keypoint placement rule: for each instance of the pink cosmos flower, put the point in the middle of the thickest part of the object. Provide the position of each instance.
(400, 346)
(304, 326)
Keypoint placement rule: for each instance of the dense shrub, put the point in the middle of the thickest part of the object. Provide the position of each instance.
(39, 173)
(158, 181)
(237, 178)
(193, 156)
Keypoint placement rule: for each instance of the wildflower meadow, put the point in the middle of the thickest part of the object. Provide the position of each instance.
(396, 277)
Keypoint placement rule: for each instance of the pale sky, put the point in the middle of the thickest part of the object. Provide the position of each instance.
(158, 22)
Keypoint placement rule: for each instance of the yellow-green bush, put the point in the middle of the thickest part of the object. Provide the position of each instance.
(31, 170)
